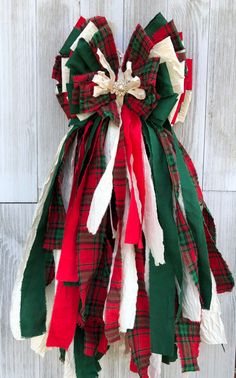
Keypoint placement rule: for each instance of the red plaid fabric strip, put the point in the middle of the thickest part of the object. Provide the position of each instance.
(188, 341)
(139, 336)
(168, 147)
(56, 215)
(223, 277)
(56, 71)
(148, 76)
(94, 325)
(82, 96)
(188, 246)
(169, 30)
(138, 49)
(49, 267)
(192, 172)
(90, 247)
(104, 40)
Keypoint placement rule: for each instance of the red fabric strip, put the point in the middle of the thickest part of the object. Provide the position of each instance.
(133, 142)
(64, 316)
(68, 264)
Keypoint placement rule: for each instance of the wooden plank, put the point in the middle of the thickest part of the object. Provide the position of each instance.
(55, 20)
(220, 150)
(140, 12)
(192, 17)
(113, 11)
(18, 167)
(213, 361)
(16, 357)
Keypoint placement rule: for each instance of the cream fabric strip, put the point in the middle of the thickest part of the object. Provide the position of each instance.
(86, 34)
(166, 52)
(16, 294)
(105, 84)
(102, 194)
(211, 327)
(65, 73)
(184, 107)
(129, 289)
(69, 365)
(126, 83)
(151, 226)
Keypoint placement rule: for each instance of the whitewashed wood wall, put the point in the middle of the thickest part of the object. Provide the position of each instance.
(32, 31)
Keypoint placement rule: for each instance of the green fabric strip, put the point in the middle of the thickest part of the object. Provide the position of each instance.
(167, 100)
(156, 23)
(162, 290)
(195, 221)
(65, 50)
(33, 301)
(83, 59)
(85, 366)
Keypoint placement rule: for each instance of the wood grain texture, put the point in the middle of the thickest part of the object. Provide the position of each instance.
(140, 12)
(55, 20)
(16, 358)
(113, 11)
(18, 164)
(192, 17)
(220, 150)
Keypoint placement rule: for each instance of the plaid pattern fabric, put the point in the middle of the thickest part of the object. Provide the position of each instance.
(223, 276)
(56, 71)
(148, 76)
(139, 336)
(89, 247)
(104, 40)
(56, 215)
(138, 49)
(94, 325)
(188, 341)
(168, 30)
(187, 244)
(220, 270)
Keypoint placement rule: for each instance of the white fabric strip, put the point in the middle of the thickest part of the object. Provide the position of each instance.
(65, 73)
(68, 174)
(146, 268)
(103, 192)
(184, 107)
(69, 365)
(16, 294)
(151, 226)
(165, 50)
(154, 369)
(86, 34)
(212, 328)
(129, 290)
(38, 343)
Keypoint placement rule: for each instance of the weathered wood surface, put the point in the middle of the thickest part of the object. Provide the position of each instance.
(32, 125)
